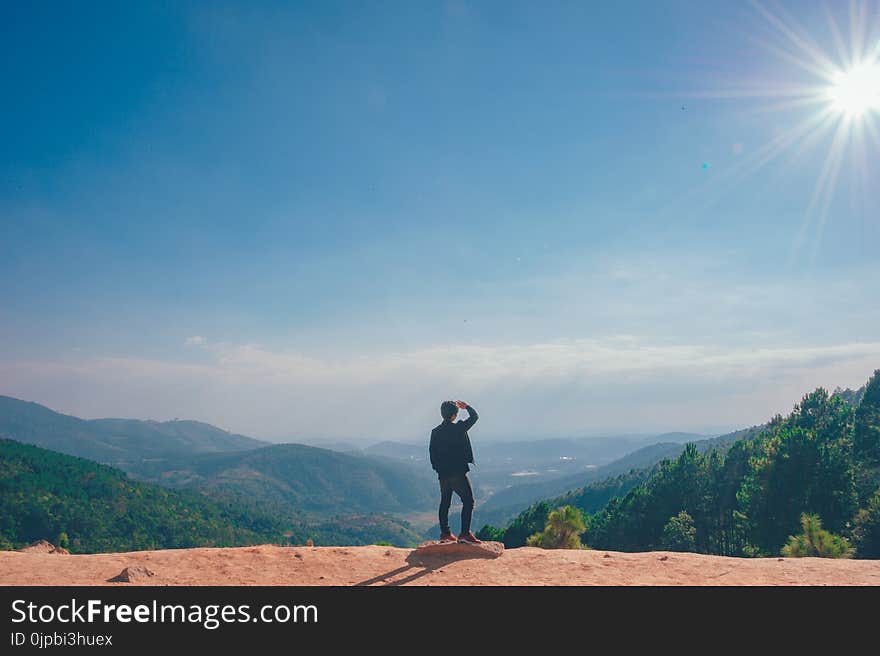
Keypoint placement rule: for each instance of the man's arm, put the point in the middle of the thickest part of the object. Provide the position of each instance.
(432, 451)
(472, 415)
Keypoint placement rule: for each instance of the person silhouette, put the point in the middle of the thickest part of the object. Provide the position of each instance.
(450, 451)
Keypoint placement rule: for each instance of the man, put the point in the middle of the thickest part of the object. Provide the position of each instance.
(451, 452)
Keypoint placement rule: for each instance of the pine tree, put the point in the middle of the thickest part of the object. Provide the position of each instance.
(563, 530)
(866, 532)
(816, 542)
(866, 438)
(679, 534)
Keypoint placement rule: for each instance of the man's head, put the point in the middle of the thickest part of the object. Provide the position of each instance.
(448, 410)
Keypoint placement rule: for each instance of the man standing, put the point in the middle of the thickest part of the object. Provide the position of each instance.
(451, 452)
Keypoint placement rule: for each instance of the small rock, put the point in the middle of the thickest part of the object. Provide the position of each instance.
(664, 557)
(607, 556)
(41, 546)
(780, 559)
(388, 552)
(297, 555)
(132, 575)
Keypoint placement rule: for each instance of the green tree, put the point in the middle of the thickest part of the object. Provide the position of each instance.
(491, 533)
(679, 534)
(866, 438)
(866, 529)
(816, 542)
(746, 500)
(802, 463)
(91, 507)
(527, 523)
(562, 531)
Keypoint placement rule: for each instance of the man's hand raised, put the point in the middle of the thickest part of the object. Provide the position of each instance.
(461, 405)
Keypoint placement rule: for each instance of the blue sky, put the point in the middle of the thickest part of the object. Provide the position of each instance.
(302, 220)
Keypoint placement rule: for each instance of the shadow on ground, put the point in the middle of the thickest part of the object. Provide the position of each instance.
(419, 565)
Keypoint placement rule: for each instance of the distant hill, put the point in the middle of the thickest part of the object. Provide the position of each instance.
(414, 453)
(507, 465)
(505, 504)
(122, 442)
(537, 453)
(189, 454)
(343, 446)
(304, 478)
(615, 480)
(300, 484)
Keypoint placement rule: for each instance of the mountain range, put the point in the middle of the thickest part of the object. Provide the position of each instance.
(296, 484)
(362, 493)
(125, 443)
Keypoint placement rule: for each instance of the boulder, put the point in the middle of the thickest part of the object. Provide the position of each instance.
(460, 549)
(41, 546)
(132, 574)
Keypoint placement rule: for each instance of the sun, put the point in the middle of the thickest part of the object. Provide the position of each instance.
(826, 85)
(856, 91)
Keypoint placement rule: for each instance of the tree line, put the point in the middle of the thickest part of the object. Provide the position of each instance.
(810, 478)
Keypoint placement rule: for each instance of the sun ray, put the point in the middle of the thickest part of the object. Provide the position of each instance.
(835, 157)
(750, 165)
(823, 192)
(843, 50)
(841, 100)
(809, 66)
(872, 130)
(753, 92)
(823, 64)
(816, 135)
(797, 103)
(860, 167)
(858, 17)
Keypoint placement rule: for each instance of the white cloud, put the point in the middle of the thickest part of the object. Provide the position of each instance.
(195, 340)
(556, 387)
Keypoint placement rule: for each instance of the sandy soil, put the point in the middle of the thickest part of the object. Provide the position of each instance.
(375, 565)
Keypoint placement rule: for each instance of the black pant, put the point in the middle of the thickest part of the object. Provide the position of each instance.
(459, 484)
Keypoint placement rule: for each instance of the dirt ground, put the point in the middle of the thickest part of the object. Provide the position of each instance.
(377, 565)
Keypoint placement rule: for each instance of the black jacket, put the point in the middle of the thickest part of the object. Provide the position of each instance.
(450, 447)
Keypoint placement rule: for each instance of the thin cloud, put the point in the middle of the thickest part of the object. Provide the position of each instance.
(566, 386)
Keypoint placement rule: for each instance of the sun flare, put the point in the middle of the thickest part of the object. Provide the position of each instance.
(825, 81)
(857, 90)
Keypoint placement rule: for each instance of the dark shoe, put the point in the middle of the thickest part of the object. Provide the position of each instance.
(447, 537)
(469, 538)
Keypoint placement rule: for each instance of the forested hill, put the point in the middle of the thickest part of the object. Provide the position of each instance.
(89, 507)
(276, 479)
(620, 475)
(823, 459)
(304, 478)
